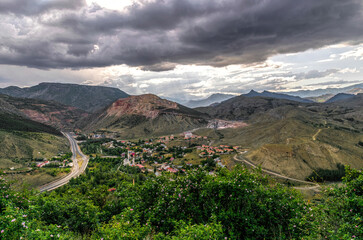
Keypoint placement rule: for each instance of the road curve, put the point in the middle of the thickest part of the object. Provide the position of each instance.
(76, 170)
(245, 161)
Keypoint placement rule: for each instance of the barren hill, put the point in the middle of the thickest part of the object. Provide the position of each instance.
(144, 115)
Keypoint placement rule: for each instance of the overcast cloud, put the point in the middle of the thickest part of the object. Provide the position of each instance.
(74, 41)
(157, 35)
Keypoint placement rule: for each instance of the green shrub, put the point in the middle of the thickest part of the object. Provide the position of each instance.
(241, 201)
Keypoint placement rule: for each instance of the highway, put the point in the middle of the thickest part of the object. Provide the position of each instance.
(76, 170)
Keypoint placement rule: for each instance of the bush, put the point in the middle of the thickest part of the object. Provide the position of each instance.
(191, 232)
(340, 214)
(240, 200)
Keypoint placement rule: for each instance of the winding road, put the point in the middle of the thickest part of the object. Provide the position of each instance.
(316, 134)
(312, 185)
(76, 170)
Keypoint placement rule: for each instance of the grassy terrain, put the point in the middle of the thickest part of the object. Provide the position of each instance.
(32, 180)
(26, 145)
(131, 127)
(291, 145)
(18, 148)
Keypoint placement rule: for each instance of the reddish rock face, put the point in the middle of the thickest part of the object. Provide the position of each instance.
(147, 105)
(49, 113)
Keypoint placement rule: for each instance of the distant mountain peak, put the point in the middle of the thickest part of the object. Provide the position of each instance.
(268, 94)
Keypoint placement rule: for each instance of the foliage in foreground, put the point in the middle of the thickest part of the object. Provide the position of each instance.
(237, 204)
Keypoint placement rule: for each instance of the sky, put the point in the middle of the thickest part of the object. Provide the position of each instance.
(183, 49)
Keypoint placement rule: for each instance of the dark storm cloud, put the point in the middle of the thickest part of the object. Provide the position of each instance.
(31, 7)
(150, 34)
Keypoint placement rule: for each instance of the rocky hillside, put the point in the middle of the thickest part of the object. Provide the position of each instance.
(51, 113)
(144, 115)
(87, 98)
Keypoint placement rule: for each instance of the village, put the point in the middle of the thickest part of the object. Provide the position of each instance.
(172, 153)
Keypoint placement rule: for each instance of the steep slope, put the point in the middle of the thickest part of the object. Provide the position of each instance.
(212, 99)
(87, 98)
(354, 102)
(339, 97)
(243, 108)
(144, 115)
(253, 93)
(51, 113)
(348, 112)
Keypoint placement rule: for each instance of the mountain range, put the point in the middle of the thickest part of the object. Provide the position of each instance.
(305, 96)
(268, 94)
(87, 98)
(353, 89)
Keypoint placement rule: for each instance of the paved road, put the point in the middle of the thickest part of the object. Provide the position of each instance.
(76, 170)
(245, 161)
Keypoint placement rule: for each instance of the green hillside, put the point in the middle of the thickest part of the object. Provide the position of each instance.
(16, 123)
(23, 139)
(18, 147)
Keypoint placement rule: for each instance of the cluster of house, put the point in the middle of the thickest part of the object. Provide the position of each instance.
(60, 160)
(42, 164)
(185, 136)
(168, 168)
(63, 163)
(154, 154)
(208, 151)
(136, 159)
